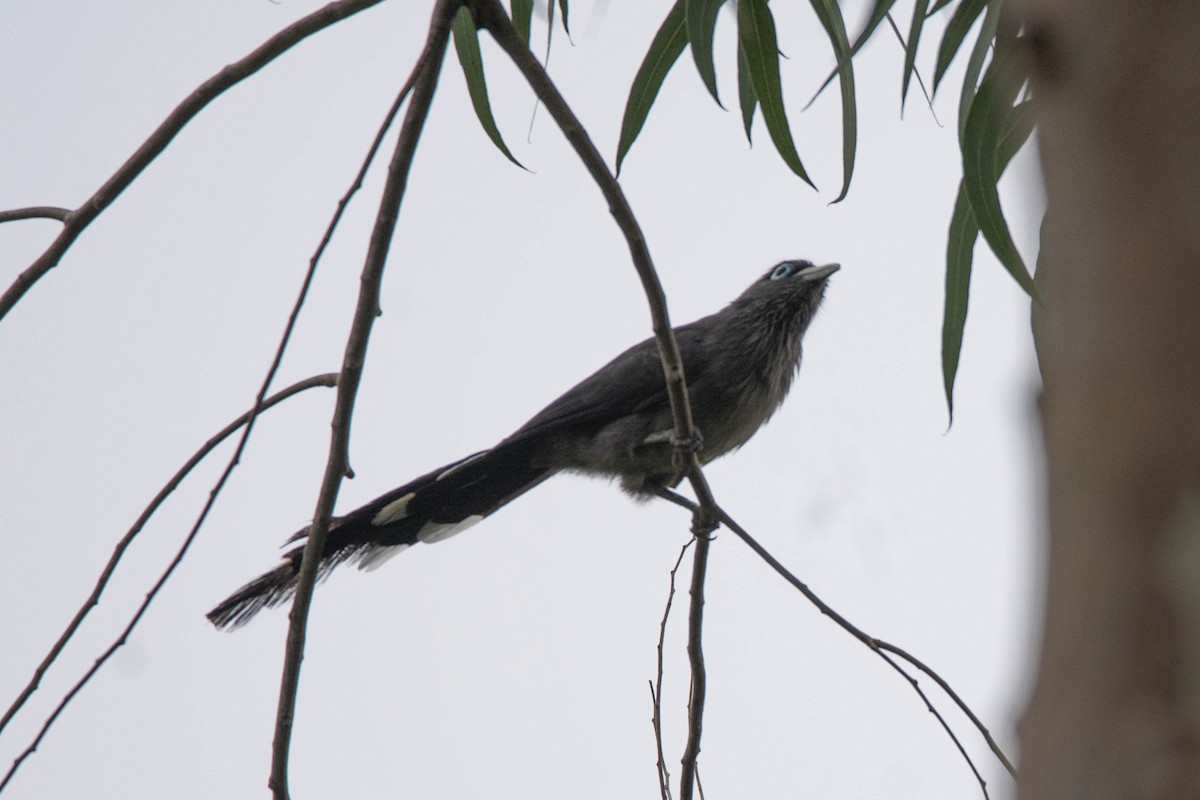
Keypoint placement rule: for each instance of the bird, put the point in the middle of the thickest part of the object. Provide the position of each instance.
(739, 364)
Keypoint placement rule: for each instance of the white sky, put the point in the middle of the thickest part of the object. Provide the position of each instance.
(511, 661)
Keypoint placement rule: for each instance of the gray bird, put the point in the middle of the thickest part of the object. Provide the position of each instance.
(616, 423)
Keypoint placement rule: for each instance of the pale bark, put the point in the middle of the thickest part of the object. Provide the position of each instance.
(1116, 708)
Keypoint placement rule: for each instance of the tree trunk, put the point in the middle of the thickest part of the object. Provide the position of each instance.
(1116, 708)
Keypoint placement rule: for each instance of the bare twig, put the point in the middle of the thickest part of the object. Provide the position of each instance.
(261, 404)
(244, 420)
(695, 651)
(878, 646)
(74, 222)
(664, 776)
(35, 212)
(424, 81)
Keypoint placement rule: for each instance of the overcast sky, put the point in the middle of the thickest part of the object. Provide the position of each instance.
(511, 661)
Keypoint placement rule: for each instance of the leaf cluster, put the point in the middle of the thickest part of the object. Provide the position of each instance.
(995, 119)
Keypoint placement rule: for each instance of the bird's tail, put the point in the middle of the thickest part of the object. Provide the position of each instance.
(429, 509)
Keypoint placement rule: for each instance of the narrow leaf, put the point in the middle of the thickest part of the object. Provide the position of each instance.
(746, 96)
(562, 4)
(964, 231)
(960, 23)
(878, 14)
(980, 142)
(938, 6)
(831, 18)
(756, 33)
(910, 48)
(522, 17)
(664, 51)
(960, 249)
(701, 20)
(987, 35)
(467, 44)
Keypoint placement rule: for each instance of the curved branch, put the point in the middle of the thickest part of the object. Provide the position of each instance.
(424, 82)
(329, 379)
(664, 777)
(74, 222)
(878, 646)
(35, 212)
(490, 15)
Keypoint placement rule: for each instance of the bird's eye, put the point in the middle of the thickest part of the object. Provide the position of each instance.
(781, 271)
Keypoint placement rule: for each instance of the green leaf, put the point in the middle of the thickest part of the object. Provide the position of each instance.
(910, 49)
(746, 97)
(938, 6)
(522, 17)
(664, 51)
(960, 23)
(878, 14)
(980, 142)
(563, 5)
(964, 231)
(467, 44)
(701, 21)
(987, 35)
(831, 18)
(756, 33)
(960, 249)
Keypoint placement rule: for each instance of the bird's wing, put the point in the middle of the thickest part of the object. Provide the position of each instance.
(632, 383)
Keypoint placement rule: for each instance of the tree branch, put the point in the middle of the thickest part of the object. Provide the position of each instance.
(878, 646)
(246, 419)
(424, 81)
(490, 15)
(664, 777)
(74, 222)
(35, 212)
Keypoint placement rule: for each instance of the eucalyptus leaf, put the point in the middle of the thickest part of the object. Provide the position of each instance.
(466, 43)
(701, 21)
(910, 48)
(664, 51)
(756, 34)
(878, 14)
(746, 97)
(960, 23)
(831, 18)
(964, 232)
(980, 141)
(522, 17)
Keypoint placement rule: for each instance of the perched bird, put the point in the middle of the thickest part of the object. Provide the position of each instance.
(616, 423)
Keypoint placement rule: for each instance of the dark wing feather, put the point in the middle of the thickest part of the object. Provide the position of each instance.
(632, 383)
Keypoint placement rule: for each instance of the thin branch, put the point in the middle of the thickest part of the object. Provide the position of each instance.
(664, 777)
(261, 405)
(490, 15)
(424, 82)
(74, 222)
(695, 651)
(35, 212)
(878, 646)
(247, 420)
(992, 744)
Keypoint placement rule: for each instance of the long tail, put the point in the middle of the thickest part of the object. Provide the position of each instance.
(429, 509)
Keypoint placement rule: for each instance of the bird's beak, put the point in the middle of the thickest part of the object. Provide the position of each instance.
(819, 273)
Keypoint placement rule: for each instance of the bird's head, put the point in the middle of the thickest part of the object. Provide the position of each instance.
(791, 289)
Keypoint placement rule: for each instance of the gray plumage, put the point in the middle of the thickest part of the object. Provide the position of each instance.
(739, 364)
